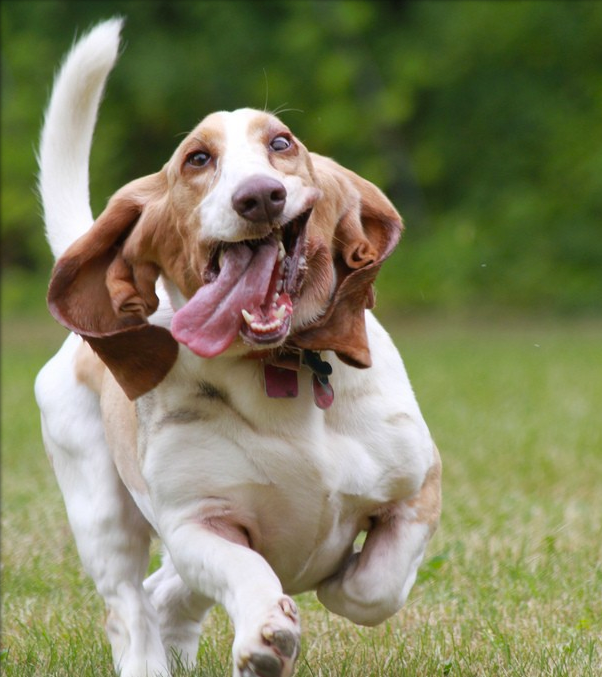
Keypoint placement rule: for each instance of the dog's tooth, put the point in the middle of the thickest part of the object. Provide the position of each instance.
(220, 259)
(279, 285)
(248, 317)
(280, 313)
(281, 251)
(266, 328)
(275, 297)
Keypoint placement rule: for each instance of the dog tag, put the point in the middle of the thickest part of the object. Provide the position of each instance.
(320, 367)
(280, 382)
(323, 392)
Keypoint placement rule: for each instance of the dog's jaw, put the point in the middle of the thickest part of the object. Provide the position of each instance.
(250, 290)
(269, 324)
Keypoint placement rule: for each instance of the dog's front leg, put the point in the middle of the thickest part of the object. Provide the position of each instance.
(375, 582)
(266, 622)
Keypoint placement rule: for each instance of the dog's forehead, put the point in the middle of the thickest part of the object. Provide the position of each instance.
(238, 127)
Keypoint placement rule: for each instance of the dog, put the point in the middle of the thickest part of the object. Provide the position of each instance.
(225, 386)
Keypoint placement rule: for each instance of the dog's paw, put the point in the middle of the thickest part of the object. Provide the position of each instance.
(275, 649)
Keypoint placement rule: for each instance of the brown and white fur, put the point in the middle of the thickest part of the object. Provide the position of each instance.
(254, 498)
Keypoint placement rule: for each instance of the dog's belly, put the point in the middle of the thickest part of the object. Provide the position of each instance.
(294, 482)
(297, 484)
(290, 507)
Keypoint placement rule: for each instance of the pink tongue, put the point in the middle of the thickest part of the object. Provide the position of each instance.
(211, 320)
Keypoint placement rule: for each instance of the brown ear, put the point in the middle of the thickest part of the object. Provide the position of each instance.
(367, 230)
(106, 297)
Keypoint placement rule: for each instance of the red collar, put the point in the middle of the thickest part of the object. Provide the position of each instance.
(281, 369)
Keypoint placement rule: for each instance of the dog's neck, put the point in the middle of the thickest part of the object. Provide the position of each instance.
(281, 369)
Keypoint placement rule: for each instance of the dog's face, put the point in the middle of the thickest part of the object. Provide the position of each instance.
(249, 188)
(261, 245)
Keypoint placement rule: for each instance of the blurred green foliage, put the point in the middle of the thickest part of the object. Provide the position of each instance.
(481, 120)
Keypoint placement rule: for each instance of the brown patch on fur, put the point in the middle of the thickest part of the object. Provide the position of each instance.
(427, 504)
(89, 368)
(121, 425)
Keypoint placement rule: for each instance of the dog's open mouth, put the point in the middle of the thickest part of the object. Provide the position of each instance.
(249, 289)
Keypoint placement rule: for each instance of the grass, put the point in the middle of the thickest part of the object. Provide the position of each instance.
(512, 583)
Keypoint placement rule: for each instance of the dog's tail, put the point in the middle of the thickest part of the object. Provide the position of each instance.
(67, 135)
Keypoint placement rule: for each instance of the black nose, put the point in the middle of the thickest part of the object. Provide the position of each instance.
(260, 198)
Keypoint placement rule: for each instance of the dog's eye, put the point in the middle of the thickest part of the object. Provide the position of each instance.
(280, 143)
(198, 159)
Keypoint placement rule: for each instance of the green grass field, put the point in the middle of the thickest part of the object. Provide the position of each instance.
(512, 583)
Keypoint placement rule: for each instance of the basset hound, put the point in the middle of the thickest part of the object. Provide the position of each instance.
(226, 388)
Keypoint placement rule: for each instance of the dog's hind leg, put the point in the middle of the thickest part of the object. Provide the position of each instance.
(111, 534)
(180, 611)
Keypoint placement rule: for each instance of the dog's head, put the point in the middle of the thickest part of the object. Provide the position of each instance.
(260, 243)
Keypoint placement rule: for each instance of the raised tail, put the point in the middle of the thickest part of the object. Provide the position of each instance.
(67, 135)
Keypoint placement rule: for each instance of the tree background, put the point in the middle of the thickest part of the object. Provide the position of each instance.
(482, 120)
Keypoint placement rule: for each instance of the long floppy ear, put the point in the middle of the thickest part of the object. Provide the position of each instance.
(105, 296)
(367, 230)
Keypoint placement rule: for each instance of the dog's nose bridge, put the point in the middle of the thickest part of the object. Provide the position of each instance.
(259, 198)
